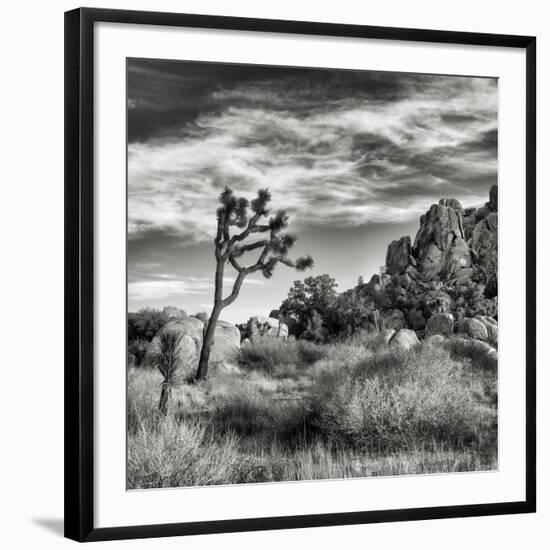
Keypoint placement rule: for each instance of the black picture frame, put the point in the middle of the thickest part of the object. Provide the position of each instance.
(79, 265)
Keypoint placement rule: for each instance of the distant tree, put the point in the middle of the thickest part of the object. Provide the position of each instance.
(352, 311)
(145, 323)
(360, 280)
(138, 348)
(274, 248)
(304, 297)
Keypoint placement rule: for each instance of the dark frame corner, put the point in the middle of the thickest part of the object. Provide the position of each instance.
(79, 235)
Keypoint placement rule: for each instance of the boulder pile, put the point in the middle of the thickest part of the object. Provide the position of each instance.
(445, 282)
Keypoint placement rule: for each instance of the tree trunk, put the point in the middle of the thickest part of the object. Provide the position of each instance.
(165, 396)
(207, 342)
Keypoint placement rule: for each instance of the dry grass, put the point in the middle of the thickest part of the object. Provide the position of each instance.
(295, 412)
(179, 453)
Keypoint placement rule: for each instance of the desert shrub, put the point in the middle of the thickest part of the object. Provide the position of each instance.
(142, 399)
(246, 411)
(395, 400)
(259, 469)
(145, 323)
(138, 348)
(352, 311)
(315, 331)
(267, 353)
(471, 300)
(365, 339)
(279, 357)
(175, 454)
(474, 351)
(171, 361)
(310, 352)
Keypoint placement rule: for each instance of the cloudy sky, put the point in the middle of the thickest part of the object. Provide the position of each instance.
(354, 156)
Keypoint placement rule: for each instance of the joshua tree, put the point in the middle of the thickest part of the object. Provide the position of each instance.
(167, 359)
(273, 248)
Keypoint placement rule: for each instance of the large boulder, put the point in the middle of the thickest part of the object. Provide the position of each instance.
(485, 231)
(291, 323)
(225, 350)
(404, 339)
(397, 256)
(275, 314)
(478, 347)
(194, 327)
(439, 246)
(188, 348)
(474, 328)
(266, 326)
(473, 216)
(172, 312)
(491, 326)
(440, 323)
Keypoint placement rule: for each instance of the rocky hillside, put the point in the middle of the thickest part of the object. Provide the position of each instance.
(451, 269)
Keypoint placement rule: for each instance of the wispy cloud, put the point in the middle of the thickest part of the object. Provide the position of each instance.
(342, 152)
(157, 287)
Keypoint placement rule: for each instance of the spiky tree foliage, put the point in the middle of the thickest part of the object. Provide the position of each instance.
(272, 246)
(167, 360)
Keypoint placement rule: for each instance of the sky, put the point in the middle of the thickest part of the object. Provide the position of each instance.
(355, 157)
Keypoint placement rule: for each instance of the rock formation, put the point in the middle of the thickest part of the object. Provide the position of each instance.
(225, 349)
(188, 349)
(493, 198)
(266, 326)
(398, 255)
(227, 343)
(450, 270)
(485, 231)
(172, 312)
(439, 247)
(474, 328)
(491, 326)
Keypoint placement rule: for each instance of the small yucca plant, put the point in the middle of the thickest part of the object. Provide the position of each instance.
(167, 359)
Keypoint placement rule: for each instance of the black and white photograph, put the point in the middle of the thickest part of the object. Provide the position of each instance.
(312, 260)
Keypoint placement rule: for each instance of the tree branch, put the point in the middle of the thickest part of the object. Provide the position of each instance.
(238, 252)
(236, 289)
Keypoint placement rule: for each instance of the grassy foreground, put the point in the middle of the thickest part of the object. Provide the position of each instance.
(302, 411)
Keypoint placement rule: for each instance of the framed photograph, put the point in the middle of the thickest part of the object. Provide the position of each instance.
(300, 274)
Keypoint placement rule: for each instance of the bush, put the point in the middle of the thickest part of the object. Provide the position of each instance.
(138, 348)
(310, 353)
(474, 351)
(279, 357)
(179, 454)
(399, 400)
(144, 324)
